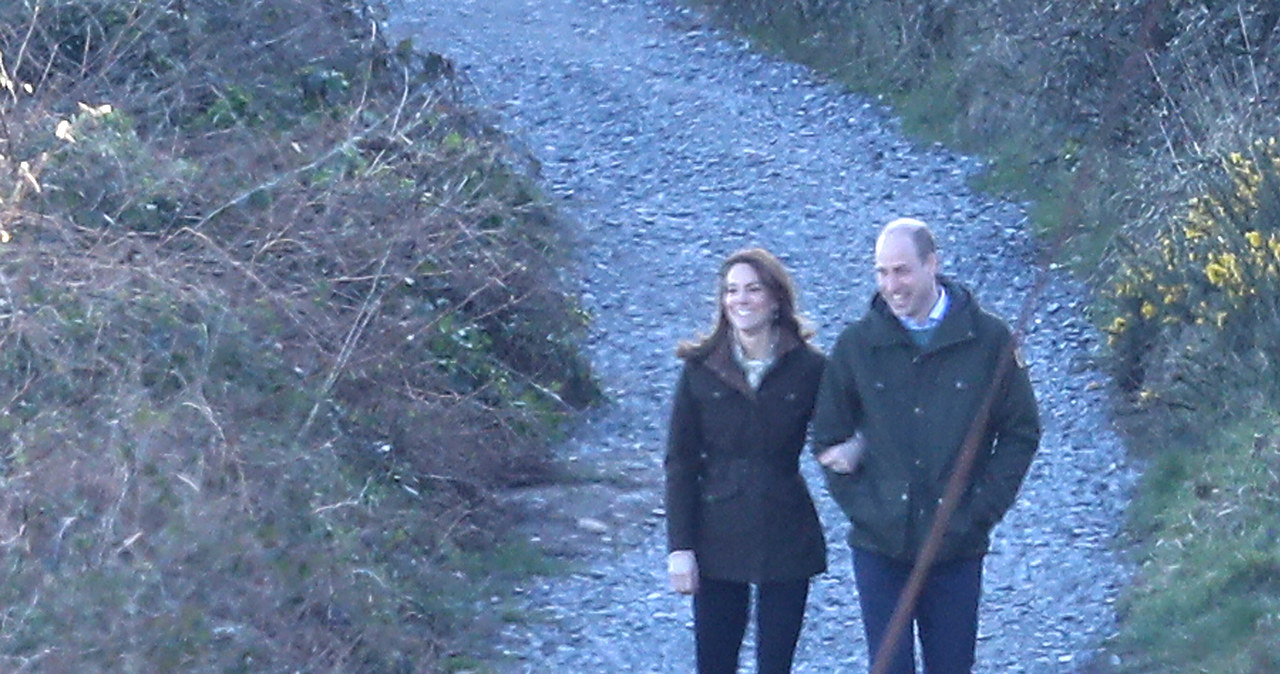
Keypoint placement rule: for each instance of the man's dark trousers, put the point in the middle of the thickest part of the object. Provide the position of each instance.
(946, 615)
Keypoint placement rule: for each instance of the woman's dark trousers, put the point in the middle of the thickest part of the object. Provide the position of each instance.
(720, 611)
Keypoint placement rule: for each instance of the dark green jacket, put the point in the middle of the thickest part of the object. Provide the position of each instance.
(734, 493)
(914, 406)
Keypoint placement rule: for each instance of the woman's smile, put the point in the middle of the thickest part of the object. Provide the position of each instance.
(748, 304)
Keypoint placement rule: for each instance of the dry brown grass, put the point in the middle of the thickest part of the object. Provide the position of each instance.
(272, 325)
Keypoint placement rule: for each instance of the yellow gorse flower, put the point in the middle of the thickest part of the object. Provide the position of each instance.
(1171, 294)
(1216, 273)
(1217, 265)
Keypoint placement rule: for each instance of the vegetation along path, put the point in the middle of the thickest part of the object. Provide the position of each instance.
(672, 145)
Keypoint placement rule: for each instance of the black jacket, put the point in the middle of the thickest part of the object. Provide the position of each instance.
(914, 406)
(734, 493)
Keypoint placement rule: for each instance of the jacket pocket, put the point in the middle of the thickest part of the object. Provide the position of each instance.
(876, 508)
(967, 534)
(722, 482)
(852, 493)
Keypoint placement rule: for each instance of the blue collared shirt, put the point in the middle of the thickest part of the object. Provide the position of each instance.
(922, 331)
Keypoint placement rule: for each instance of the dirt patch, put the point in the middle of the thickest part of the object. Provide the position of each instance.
(579, 519)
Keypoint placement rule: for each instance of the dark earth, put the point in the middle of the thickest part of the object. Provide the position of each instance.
(671, 144)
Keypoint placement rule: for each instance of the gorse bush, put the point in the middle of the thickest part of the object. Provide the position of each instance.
(1206, 294)
(277, 312)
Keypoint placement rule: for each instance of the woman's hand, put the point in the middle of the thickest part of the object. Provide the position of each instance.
(682, 569)
(844, 457)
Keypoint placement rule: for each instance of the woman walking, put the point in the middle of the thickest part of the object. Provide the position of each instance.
(739, 514)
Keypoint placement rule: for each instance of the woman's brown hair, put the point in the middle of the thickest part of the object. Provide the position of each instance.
(774, 276)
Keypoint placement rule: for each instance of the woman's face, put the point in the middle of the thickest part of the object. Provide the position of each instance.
(748, 304)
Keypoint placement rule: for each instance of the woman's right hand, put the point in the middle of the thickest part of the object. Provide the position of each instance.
(682, 569)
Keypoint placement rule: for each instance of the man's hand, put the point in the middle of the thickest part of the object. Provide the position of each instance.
(682, 569)
(844, 457)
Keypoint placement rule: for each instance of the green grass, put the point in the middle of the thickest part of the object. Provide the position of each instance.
(1207, 595)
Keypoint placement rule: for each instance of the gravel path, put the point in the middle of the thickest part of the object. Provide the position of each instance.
(672, 145)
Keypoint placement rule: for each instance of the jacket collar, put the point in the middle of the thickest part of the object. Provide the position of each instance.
(957, 325)
(720, 361)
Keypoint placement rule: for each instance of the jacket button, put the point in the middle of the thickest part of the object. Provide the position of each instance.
(919, 411)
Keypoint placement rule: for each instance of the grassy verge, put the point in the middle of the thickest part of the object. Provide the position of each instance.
(1140, 135)
(1207, 593)
(277, 315)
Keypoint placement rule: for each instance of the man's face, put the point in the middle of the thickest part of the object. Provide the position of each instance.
(905, 281)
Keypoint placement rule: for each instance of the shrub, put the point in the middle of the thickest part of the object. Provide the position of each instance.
(1207, 293)
(277, 312)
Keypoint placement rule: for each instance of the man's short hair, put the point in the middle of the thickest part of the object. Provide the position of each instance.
(921, 235)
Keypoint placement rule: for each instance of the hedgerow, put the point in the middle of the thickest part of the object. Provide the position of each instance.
(1203, 303)
(277, 313)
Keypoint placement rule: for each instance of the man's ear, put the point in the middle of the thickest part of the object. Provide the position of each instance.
(931, 262)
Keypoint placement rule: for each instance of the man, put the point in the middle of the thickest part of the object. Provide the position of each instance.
(901, 389)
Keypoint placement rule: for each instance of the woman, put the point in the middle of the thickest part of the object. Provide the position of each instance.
(738, 511)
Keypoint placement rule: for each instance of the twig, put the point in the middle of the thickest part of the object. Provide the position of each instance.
(1253, 69)
(367, 311)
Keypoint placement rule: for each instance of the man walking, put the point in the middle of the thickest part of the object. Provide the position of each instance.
(902, 387)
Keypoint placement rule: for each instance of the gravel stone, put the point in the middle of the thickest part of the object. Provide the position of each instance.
(672, 144)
